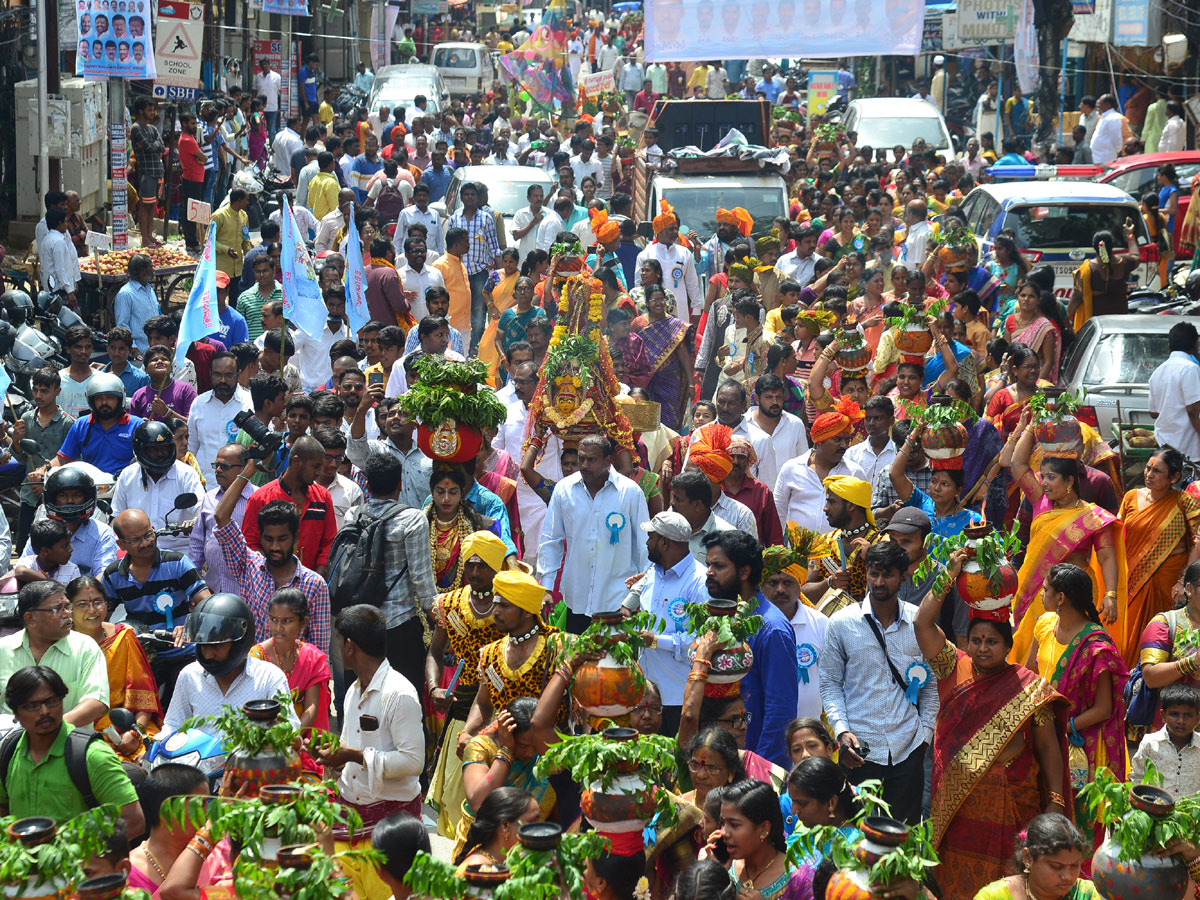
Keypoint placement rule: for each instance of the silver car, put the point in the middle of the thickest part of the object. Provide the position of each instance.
(506, 186)
(400, 85)
(1113, 357)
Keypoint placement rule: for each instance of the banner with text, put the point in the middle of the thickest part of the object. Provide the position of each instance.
(598, 83)
(687, 30)
(115, 39)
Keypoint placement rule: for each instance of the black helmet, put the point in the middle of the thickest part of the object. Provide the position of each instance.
(68, 478)
(8, 338)
(17, 307)
(1191, 287)
(222, 619)
(154, 447)
(104, 383)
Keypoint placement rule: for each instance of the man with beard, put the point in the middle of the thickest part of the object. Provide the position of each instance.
(777, 435)
(800, 487)
(735, 566)
(351, 387)
(260, 573)
(463, 625)
(675, 579)
(910, 528)
(882, 731)
(397, 430)
(751, 493)
(343, 490)
(210, 420)
(731, 224)
(678, 265)
(848, 511)
(103, 438)
(799, 265)
(783, 573)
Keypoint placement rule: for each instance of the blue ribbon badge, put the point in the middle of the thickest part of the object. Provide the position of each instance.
(165, 604)
(615, 523)
(806, 658)
(678, 613)
(917, 675)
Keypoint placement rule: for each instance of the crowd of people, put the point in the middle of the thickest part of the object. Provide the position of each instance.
(794, 405)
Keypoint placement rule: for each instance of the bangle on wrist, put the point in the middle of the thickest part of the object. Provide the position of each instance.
(1056, 797)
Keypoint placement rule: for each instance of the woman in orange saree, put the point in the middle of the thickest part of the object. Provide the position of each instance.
(999, 750)
(1065, 529)
(1161, 524)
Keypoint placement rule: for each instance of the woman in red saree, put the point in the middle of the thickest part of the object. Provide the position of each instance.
(1064, 529)
(306, 666)
(131, 684)
(1074, 653)
(1004, 407)
(670, 360)
(1161, 525)
(999, 753)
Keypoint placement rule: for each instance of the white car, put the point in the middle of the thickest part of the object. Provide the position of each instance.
(506, 186)
(399, 86)
(1055, 221)
(890, 121)
(465, 67)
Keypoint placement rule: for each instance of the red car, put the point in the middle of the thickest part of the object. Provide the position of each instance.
(1138, 174)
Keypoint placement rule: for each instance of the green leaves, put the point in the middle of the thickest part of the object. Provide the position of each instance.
(446, 390)
(731, 630)
(434, 879)
(239, 732)
(1056, 407)
(577, 349)
(322, 879)
(548, 874)
(61, 859)
(1133, 832)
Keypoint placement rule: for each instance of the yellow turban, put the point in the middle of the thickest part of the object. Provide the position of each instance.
(487, 547)
(852, 490)
(737, 217)
(521, 590)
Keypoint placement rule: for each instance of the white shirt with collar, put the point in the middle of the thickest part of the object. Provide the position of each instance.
(736, 513)
(788, 441)
(696, 544)
(136, 490)
(1174, 386)
(800, 495)
(419, 283)
(510, 438)
(394, 753)
(285, 144)
(345, 495)
(435, 240)
(327, 229)
(679, 274)
(198, 694)
(312, 355)
(211, 426)
(792, 265)
(665, 592)
(864, 456)
(552, 224)
(1107, 138)
(59, 260)
(594, 573)
(809, 627)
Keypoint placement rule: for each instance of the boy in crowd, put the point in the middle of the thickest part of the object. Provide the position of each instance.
(47, 424)
(120, 346)
(1175, 748)
(51, 557)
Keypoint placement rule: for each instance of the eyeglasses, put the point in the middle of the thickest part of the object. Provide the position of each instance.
(696, 767)
(647, 710)
(221, 467)
(36, 706)
(59, 610)
(142, 540)
(95, 603)
(337, 458)
(735, 721)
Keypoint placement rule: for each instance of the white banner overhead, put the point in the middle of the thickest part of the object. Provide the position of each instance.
(688, 30)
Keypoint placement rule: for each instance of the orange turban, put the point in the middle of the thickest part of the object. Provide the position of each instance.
(666, 218)
(710, 451)
(842, 417)
(603, 227)
(737, 217)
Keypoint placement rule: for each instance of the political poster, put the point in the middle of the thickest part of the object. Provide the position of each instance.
(286, 7)
(115, 39)
(180, 41)
(822, 87)
(687, 30)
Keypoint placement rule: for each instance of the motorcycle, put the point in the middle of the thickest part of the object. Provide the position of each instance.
(54, 317)
(349, 99)
(250, 181)
(190, 748)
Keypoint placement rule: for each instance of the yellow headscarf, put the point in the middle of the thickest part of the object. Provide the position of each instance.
(521, 590)
(852, 490)
(487, 547)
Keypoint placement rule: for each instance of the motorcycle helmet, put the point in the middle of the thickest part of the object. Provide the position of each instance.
(154, 447)
(18, 308)
(221, 619)
(1191, 287)
(8, 338)
(67, 478)
(104, 383)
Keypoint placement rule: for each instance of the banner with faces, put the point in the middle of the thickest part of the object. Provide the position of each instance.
(115, 39)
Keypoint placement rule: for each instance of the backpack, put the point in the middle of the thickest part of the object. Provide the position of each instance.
(1141, 702)
(74, 754)
(389, 202)
(357, 560)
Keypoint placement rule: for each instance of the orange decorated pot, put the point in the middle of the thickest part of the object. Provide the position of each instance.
(451, 441)
(914, 340)
(975, 585)
(944, 445)
(854, 359)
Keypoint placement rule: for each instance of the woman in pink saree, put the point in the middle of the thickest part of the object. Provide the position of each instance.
(305, 665)
(1028, 325)
(670, 361)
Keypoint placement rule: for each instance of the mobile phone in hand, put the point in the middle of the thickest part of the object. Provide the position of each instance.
(374, 378)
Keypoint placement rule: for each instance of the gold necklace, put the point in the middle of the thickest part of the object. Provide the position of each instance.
(154, 862)
(749, 882)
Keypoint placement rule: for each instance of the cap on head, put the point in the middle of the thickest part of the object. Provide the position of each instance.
(671, 525)
(909, 520)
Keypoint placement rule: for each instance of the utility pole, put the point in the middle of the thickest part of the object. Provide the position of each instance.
(53, 78)
(43, 101)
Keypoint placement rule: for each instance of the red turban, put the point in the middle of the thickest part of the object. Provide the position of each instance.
(842, 417)
(710, 451)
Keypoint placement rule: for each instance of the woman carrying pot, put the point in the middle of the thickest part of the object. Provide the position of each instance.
(819, 794)
(1169, 652)
(494, 831)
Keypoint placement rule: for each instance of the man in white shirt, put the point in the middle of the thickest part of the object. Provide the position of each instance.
(333, 222)
(875, 454)
(596, 511)
(312, 353)
(344, 492)
(1175, 393)
(1088, 117)
(554, 221)
(799, 264)
(632, 76)
(418, 212)
(210, 420)
(416, 277)
(716, 82)
(500, 154)
(526, 221)
(268, 85)
(155, 481)
(59, 259)
(586, 164)
(1108, 135)
(287, 142)
(678, 264)
(380, 762)
(783, 573)
(917, 236)
(776, 435)
(606, 57)
(800, 488)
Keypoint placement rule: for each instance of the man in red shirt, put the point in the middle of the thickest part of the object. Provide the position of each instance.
(646, 98)
(298, 485)
(192, 159)
(385, 293)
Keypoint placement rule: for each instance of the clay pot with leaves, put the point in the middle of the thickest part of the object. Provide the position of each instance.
(912, 334)
(104, 887)
(621, 772)
(40, 860)
(1140, 820)
(610, 687)
(304, 872)
(1054, 424)
(450, 410)
(943, 436)
(734, 626)
(853, 354)
(261, 742)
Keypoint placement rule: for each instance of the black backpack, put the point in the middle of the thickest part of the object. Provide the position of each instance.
(74, 754)
(389, 202)
(357, 560)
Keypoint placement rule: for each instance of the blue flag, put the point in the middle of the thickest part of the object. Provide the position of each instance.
(200, 316)
(302, 301)
(356, 283)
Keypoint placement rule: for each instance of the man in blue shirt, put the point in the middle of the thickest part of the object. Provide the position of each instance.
(735, 564)
(309, 72)
(233, 328)
(436, 177)
(69, 497)
(105, 437)
(364, 78)
(364, 166)
(771, 84)
(674, 580)
(1012, 153)
(136, 301)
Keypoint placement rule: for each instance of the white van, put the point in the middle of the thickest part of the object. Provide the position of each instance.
(465, 67)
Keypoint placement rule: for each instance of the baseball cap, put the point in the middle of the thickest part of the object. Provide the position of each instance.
(671, 525)
(222, 279)
(909, 520)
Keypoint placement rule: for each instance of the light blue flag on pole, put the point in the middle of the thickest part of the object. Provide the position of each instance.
(302, 301)
(356, 283)
(200, 316)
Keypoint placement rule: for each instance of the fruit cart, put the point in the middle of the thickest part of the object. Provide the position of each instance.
(106, 274)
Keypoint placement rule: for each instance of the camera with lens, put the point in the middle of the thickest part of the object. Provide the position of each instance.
(266, 442)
